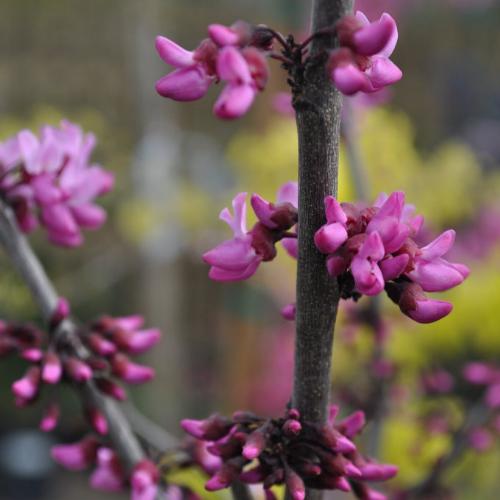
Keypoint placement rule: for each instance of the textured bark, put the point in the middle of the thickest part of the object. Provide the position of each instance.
(29, 267)
(318, 108)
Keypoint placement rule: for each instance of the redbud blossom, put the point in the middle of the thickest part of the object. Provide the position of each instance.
(76, 456)
(48, 178)
(108, 475)
(372, 248)
(361, 63)
(238, 259)
(231, 54)
(144, 481)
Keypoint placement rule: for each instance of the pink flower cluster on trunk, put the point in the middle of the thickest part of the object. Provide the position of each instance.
(238, 258)
(289, 451)
(235, 55)
(371, 249)
(49, 179)
(362, 62)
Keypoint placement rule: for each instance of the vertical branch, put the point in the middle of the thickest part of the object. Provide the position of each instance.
(318, 107)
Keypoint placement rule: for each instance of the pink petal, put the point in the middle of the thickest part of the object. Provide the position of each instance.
(291, 245)
(349, 79)
(232, 255)
(29, 147)
(428, 311)
(232, 66)
(375, 37)
(393, 267)
(334, 211)
(330, 237)
(218, 274)
(172, 53)
(393, 40)
(88, 215)
(439, 247)
(236, 222)
(187, 84)
(223, 35)
(234, 101)
(263, 210)
(289, 192)
(436, 276)
(383, 72)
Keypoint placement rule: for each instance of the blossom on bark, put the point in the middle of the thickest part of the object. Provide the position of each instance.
(238, 258)
(370, 249)
(362, 62)
(289, 451)
(235, 55)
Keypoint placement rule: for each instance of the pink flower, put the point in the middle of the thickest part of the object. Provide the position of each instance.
(108, 476)
(52, 179)
(432, 272)
(50, 418)
(27, 387)
(130, 372)
(238, 259)
(245, 73)
(144, 481)
(194, 71)
(235, 259)
(334, 233)
(362, 63)
(365, 270)
(76, 456)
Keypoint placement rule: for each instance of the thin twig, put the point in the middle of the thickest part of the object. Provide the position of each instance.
(29, 267)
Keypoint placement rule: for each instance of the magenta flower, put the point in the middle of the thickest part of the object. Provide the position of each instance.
(364, 267)
(76, 456)
(50, 418)
(372, 248)
(108, 475)
(49, 178)
(230, 54)
(246, 73)
(144, 481)
(238, 259)
(194, 73)
(235, 259)
(362, 63)
(431, 271)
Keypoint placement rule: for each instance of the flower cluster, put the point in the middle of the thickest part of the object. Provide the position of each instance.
(48, 179)
(289, 451)
(108, 340)
(109, 474)
(235, 55)
(373, 248)
(238, 258)
(361, 63)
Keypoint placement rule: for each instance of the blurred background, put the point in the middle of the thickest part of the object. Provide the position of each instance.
(436, 136)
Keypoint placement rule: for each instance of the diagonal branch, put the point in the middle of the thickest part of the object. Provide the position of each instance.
(29, 267)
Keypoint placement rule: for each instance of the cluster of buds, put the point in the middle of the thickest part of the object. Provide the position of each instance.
(474, 375)
(109, 474)
(48, 179)
(235, 55)
(108, 340)
(289, 451)
(361, 63)
(238, 259)
(373, 248)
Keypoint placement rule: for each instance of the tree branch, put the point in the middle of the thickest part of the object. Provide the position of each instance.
(318, 106)
(29, 267)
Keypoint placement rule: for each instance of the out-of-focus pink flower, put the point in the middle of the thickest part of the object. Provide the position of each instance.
(108, 475)
(130, 372)
(144, 481)
(480, 439)
(27, 387)
(362, 63)
(52, 179)
(50, 418)
(76, 456)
